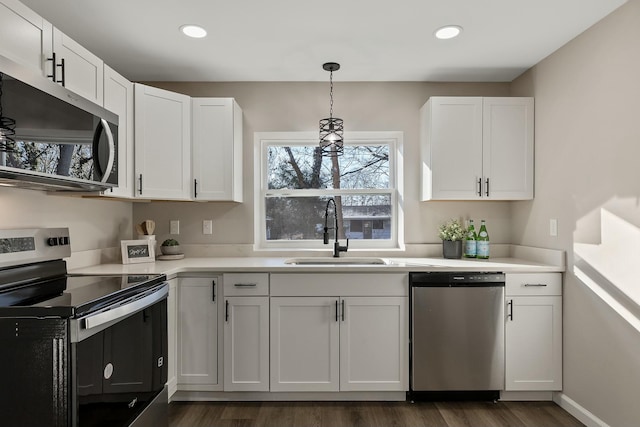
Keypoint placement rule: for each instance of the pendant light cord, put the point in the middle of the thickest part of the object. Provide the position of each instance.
(331, 95)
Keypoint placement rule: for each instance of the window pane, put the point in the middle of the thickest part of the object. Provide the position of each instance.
(300, 167)
(303, 218)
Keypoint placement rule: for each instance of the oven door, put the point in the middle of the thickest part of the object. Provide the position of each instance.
(121, 370)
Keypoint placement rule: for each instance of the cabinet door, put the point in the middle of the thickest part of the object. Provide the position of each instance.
(304, 344)
(163, 141)
(128, 348)
(26, 37)
(507, 148)
(118, 98)
(172, 337)
(533, 342)
(373, 344)
(246, 344)
(197, 333)
(451, 143)
(83, 71)
(217, 149)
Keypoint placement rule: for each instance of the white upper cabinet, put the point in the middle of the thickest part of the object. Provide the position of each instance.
(217, 149)
(30, 40)
(77, 69)
(118, 98)
(475, 148)
(26, 37)
(162, 144)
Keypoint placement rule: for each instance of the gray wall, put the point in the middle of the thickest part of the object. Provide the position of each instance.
(587, 149)
(390, 106)
(93, 223)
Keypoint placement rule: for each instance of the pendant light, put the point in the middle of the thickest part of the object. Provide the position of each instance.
(331, 129)
(7, 126)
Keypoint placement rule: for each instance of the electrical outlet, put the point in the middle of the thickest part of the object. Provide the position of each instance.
(174, 227)
(207, 226)
(553, 227)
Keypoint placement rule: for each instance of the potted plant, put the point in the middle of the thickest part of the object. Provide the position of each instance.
(452, 233)
(170, 247)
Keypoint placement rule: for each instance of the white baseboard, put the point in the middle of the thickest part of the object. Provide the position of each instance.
(578, 411)
(524, 396)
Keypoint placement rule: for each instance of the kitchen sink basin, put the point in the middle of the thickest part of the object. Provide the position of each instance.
(334, 261)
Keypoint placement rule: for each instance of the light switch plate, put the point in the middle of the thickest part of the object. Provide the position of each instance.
(207, 226)
(174, 227)
(553, 227)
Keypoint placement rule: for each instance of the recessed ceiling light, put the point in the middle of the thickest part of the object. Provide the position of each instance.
(194, 31)
(448, 32)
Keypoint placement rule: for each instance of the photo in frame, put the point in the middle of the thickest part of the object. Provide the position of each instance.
(137, 251)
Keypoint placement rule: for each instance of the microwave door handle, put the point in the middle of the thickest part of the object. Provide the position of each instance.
(112, 148)
(124, 310)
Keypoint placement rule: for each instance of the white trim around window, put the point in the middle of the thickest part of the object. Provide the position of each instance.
(262, 140)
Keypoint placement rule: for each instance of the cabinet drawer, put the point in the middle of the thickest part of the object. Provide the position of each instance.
(534, 284)
(240, 284)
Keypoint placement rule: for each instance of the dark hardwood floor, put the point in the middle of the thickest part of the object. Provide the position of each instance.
(360, 414)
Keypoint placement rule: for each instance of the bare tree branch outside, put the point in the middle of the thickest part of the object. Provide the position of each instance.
(349, 179)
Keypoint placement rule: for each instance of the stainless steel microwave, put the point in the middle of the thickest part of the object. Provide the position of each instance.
(52, 139)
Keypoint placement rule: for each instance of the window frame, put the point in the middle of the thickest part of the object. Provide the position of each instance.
(262, 140)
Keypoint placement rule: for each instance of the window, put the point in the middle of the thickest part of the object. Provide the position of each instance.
(294, 184)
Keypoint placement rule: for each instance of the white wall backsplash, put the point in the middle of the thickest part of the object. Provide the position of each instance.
(93, 223)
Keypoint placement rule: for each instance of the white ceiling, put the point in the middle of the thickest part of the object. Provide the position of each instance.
(289, 40)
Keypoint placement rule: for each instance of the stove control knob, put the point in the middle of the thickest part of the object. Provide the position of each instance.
(52, 241)
(63, 240)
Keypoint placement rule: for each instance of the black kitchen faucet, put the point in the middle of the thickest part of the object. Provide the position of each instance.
(336, 245)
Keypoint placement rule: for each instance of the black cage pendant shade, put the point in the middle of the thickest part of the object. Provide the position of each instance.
(331, 129)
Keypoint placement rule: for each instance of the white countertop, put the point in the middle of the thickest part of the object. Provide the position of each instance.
(260, 264)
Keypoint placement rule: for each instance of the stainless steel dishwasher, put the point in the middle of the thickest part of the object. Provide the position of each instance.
(456, 335)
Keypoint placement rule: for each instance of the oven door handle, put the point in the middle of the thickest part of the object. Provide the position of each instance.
(130, 306)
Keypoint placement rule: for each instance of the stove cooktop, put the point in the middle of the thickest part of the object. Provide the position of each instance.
(73, 295)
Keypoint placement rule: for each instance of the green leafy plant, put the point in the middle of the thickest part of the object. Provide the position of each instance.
(170, 242)
(451, 230)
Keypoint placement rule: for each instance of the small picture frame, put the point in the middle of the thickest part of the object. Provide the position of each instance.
(137, 251)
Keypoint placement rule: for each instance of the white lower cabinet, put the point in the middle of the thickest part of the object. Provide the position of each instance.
(373, 345)
(172, 337)
(533, 332)
(305, 340)
(246, 344)
(338, 343)
(197, 368)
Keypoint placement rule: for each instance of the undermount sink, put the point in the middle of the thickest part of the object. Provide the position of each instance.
(333, 261)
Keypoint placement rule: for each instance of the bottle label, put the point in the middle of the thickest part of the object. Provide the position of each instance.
(470, 249)
(482, 249)
(483, 234)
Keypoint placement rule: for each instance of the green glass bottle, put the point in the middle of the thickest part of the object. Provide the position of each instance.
(482, 244)
(470, 242)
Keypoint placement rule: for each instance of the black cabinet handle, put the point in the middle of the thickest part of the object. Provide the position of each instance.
(54, 66)
(213, 290)
(140, 188)
(510, 305)
(537, 285)
(195, 188)
(226, 311)
(343, 310)
(61, 65)
(336, 310)
(487, 182)
(479, 187)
